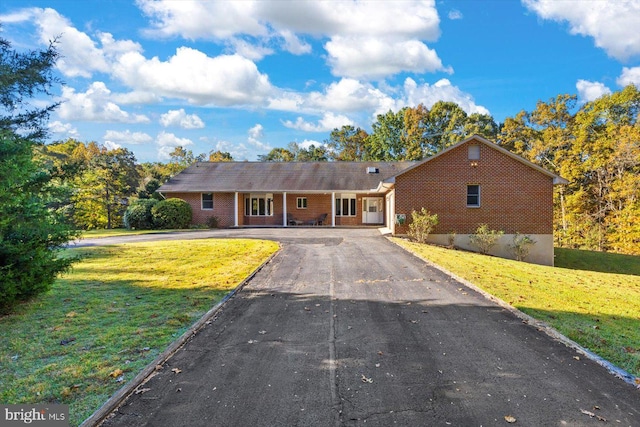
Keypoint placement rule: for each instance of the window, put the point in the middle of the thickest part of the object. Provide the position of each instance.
(207, 201)
(346, 205)
(473, 196)
(302, 203)
(258, 205)
(474, 152)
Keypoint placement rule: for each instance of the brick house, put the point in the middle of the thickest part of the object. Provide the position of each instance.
(472, 182)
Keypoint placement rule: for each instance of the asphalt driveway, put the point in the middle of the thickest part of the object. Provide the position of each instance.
(344, 328)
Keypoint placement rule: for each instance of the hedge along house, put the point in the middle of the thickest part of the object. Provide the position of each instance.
(468, 184)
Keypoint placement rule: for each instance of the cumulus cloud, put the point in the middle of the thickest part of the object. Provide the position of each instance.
(350, 95)
(365, 39)
(589, 91)
(328, 122)
(168, 142)
(375, 58)
(182, 119)
(612, 24)
(629, 76)
(442, 90)
(194, 19)
(94, 105)
(80, 55)
(126, 137)
(66, 129)
(224, 80)
(256, 133)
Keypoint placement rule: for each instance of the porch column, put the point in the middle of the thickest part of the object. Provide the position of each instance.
(284, 209)
(235, 210)
(333, 209)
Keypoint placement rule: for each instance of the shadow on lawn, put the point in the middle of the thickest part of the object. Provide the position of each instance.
(603, 262)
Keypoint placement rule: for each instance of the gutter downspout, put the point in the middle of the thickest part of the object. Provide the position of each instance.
(235, 210)
(284, 209)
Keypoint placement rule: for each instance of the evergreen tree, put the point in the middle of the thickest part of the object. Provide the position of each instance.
(31, 232)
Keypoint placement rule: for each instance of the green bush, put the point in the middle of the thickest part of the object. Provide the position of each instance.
(484, 238)
(422, 223)
(171, 213)
(521, 246)
(138, 214)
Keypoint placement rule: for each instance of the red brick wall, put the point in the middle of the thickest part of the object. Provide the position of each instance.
(513, 196)
(222, 207)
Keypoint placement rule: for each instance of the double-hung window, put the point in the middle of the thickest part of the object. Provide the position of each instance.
(473, 196)
(258, 205)
(301, 203)
(346, 205)
(207, 201)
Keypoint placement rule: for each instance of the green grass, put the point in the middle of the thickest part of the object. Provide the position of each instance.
(117, 310)
(91, 234)
(600, 311)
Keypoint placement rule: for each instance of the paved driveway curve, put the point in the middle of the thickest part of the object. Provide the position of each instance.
(345, 328)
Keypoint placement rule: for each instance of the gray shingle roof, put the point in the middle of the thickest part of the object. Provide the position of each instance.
(281, 176)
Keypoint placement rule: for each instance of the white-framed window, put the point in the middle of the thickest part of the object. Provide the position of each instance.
(207, 201)
(258, 204)
(301, 202)
(474, 152)
(346, 205)
(473, 196)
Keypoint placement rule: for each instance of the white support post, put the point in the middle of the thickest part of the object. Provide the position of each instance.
(235, 210)
(333, 209)
(284, 209)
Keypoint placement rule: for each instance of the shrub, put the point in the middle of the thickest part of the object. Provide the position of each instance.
(213, 222)
(451, 239)
(521, 246)
(138, 214)
(422, 223)
(484, 238)
(171, 213)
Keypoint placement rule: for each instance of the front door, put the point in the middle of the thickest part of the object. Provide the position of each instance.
(373, 210)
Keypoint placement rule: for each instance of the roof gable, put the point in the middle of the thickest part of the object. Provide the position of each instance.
(477, 138)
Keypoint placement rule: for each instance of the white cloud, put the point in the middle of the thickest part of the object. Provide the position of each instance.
(350, 95)
(66, 129)
(375, 58)
(309, 142)
(455, 14)
(202, 19)
(442, 90)
(328, 122)
(167, 142)
(126, 137)
(366, 39)
(613, 24)
(190, 74)
(94, 105)
(589, 91)
(256, 133)
(629, 76)
(294, 44)
(182, 119)
(110, 145)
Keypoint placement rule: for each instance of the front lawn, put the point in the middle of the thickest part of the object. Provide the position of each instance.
(112, 315)
(600, 311)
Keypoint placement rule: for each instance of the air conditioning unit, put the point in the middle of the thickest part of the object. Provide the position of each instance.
(372, 169)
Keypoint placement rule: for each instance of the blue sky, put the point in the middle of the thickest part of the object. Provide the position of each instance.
(248, 76)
